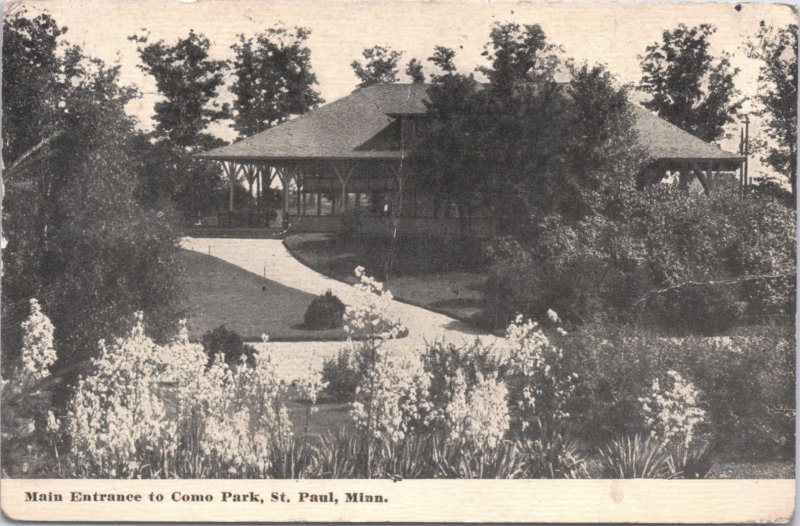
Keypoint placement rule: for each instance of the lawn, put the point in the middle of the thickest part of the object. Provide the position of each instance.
(446, 276)
(219, 293)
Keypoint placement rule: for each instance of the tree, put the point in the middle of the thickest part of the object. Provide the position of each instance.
(687, 85)
(76, 234)
(380, 66)
(518, 55)
(273, 79)
(189, 81)
(36, 93)
(777, 96)
(414, 71)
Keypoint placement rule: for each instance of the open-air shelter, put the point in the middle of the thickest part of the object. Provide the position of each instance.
(351, 156)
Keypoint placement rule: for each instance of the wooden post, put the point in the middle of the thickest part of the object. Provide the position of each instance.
(258, 188)
(746, 149)
(702, 178)
(298, 183)
(710, 176)
(231, 171)
(343, 171)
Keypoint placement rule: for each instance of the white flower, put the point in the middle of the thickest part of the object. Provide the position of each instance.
(38, 353)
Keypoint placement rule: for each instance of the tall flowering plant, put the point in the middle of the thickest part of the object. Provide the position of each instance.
(540, 383)
(389, 393)
(118, 416)
(161, 411)
(28, 424)
(392, 400)
(38, 352)
(368, 317)
(477, 415)
(672, 412)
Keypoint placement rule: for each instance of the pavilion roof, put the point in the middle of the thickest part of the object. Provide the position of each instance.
(362, 125)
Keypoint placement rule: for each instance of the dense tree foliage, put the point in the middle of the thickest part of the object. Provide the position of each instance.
(77, 238)
(687, 85)
(189, 81)
(273, 79)
(522, 145)
(380, 65)
(414, 71)
(776, 48)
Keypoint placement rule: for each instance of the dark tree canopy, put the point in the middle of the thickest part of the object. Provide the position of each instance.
(687, 85)
(414, 71)
(522, 146)
(34, 83)
(380, 65)
(776, 48)
(273, 79)
(189, 80)
(77, 238)
(442, 58)
(517, 55)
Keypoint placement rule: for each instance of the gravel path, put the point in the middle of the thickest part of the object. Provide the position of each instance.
(269, 258)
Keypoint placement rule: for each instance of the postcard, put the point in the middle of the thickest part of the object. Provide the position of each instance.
(368, 261)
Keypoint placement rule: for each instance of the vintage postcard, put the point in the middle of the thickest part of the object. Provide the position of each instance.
(369, 261)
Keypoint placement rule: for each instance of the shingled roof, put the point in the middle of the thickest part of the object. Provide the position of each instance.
(361, 125)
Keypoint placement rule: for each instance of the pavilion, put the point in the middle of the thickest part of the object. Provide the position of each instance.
(348, 157)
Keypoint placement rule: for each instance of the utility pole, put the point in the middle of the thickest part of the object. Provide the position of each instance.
(746, 149)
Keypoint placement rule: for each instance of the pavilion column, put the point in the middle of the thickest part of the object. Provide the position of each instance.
(399, 177)
(231, 171)
(286, 174)
(258, 187)
(705, 182)
(344, 171)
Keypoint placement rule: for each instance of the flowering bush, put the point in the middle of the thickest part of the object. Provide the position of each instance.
(540, 383)
(38, 353)
(672, 414)
(151, 410)
(369, 317)
(29, 427)
(392, 398)
(478, 414)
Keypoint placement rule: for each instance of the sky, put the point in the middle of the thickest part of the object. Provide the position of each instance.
(613, 34)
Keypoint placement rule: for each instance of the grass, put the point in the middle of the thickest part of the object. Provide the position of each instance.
(441, 275)
(219, 293)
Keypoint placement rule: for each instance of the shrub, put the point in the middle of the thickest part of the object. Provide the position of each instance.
(228, 343)
(553, 454)
(695, 461)
(747, 382)
(634, 457)
(324, 312)
(341, 375)
(680, 262)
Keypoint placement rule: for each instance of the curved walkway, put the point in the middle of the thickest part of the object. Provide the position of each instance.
(270, 258)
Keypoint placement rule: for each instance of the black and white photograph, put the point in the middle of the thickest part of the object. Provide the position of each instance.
(388, 242)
